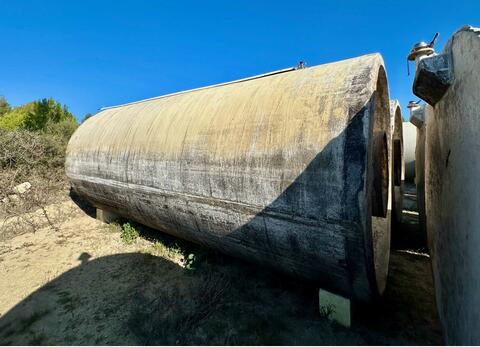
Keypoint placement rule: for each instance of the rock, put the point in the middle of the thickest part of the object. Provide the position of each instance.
(22, 188)
(11, 198)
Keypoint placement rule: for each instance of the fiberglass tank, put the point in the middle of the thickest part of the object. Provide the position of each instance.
(288, 169)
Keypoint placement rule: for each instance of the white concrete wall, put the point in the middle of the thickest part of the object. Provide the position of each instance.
(409, 143)
(452, 154)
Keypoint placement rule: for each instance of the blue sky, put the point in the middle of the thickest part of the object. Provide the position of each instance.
(89, 54)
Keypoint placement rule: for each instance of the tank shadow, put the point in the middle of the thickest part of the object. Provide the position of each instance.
(84, 205)
(140, 299)
(131, 298)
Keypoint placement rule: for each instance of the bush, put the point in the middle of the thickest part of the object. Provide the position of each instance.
(129, 234)
(34, 157)
(62, 130)
(25, 150)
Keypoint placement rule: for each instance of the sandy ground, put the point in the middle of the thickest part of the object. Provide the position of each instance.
(77, 282)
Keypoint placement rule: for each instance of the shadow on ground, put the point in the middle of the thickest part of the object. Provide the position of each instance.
(137, 298)
(82, 204)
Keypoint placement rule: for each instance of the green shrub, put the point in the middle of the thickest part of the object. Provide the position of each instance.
(129, 234)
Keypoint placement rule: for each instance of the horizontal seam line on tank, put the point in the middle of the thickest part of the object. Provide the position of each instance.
(276, 72)
(264, 210)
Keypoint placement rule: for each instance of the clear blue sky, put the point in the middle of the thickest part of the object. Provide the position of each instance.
(89, 54)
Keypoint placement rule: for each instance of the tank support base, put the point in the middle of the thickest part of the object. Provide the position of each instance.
(106, 216)
(335, 307)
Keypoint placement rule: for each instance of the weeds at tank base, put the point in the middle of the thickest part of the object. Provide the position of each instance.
(187, 255)
(129, 234)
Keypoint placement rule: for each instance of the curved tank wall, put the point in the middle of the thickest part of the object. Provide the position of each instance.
(398, 162)
(452, 168)
(288, 170)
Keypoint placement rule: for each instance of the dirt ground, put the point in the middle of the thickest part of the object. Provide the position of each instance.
(75, 281)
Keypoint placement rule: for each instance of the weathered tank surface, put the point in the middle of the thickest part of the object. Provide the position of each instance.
(288, 170)
(397, 162)
(452, 190)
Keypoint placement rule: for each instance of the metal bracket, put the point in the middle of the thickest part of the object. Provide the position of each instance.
(433, 77)
(417, 116)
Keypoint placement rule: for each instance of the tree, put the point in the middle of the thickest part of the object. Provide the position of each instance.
(4, 106)
(45, 111)
(15, 118)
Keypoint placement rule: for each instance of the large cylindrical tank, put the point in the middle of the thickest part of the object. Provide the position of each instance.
(288, 169)
(452, 190)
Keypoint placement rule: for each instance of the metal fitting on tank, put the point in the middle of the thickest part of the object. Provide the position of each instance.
(433, 73)
(421, 50)
(301, 65)
(417, 113)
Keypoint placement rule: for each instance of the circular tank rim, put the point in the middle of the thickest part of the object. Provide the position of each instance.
(378, 263)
